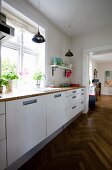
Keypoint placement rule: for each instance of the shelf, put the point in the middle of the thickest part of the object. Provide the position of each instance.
(54, 67)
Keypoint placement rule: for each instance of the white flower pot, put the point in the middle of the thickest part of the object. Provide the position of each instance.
(9, 85)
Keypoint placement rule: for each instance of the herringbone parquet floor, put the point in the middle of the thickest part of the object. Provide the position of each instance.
(86, 144)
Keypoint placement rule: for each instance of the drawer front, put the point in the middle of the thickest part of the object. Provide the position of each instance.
(80, 96)
(2, 127)
(2, 154)
(71, 100)
(71, 112)
(80, 106)
(71, 92)
(80, 90)
(2, 108)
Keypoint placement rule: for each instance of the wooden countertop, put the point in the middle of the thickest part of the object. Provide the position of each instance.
(20, 94)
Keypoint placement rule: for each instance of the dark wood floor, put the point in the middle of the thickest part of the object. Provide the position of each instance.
(86, 144)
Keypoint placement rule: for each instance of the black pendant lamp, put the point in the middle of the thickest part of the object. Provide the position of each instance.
(38, 38)
(69, 53)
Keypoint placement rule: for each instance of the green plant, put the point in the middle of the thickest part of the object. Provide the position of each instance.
(38, 75)
(10, 75)
(8, 70)
(3, 82)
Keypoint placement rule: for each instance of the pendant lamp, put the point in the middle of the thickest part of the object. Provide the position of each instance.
(69, 53)
(38, 38)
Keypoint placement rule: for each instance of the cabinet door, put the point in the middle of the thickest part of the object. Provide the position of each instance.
(2, 154)
(26, 125)
(55, 112)
(2, 108)
(2, 127)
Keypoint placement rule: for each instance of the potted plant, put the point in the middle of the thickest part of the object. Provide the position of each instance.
(9, 75)
(3, 82)
(38, 76)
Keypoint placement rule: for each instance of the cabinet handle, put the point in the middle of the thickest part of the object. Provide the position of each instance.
(74, 107)
(82, 94)
(29, 102)
(82, 89)
(57, 95)
(74, 92)
(73, 97)
(82, 102)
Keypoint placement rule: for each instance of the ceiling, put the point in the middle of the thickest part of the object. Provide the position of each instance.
(102, 56)
(83, 16)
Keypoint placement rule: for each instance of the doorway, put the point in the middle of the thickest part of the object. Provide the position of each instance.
(99, 53)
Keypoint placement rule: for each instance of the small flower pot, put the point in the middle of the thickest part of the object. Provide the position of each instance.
(9, 86)
(38, 83)
(1, 89)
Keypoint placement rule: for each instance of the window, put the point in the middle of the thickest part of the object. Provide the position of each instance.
(24, 54)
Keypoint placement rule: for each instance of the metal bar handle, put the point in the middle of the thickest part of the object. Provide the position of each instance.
(74, 92)
(82, 102)
(73, 107)
(82, 93)
(73, 97)
(82, 89)
(57, 95)
(29, 102)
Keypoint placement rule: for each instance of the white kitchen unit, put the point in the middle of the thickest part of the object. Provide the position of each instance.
(2, 108)
(2, 137)
(55, 111)
(2, 127)
(74, 103)
(3, 154)
(26, 125)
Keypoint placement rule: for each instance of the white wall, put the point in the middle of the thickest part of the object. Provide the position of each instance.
(102, 67)
(56, 40)
(94, 66)
(81, 43)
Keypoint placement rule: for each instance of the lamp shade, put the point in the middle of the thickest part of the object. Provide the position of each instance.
(69, 53)
(38, 38)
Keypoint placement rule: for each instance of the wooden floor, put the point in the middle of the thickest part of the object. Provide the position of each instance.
(86, 144)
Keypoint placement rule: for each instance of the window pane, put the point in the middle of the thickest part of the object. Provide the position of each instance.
(27, 41)
(29, 67)
(29, 63)
(9, 57)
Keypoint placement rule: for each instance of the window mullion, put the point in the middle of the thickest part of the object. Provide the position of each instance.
(21, 52)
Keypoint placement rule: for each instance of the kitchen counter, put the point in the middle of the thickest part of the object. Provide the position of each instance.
(19, 94)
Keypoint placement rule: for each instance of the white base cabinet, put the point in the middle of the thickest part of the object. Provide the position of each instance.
(55, 111)
(2, 154)
(30, 120)
(2, 137)
(74, 103)
(26, 125)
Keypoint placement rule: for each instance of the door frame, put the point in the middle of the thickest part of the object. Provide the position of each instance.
(85, 70)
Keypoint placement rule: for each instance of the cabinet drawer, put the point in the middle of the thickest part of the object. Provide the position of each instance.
(80, 90)
(71, 112)
(2, 154)
(80, 96)
(2, 108)
(2, 127)
(80, 106)
(71, 100)
(71, 92)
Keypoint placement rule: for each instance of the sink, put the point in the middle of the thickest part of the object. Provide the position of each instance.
(45, 89)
